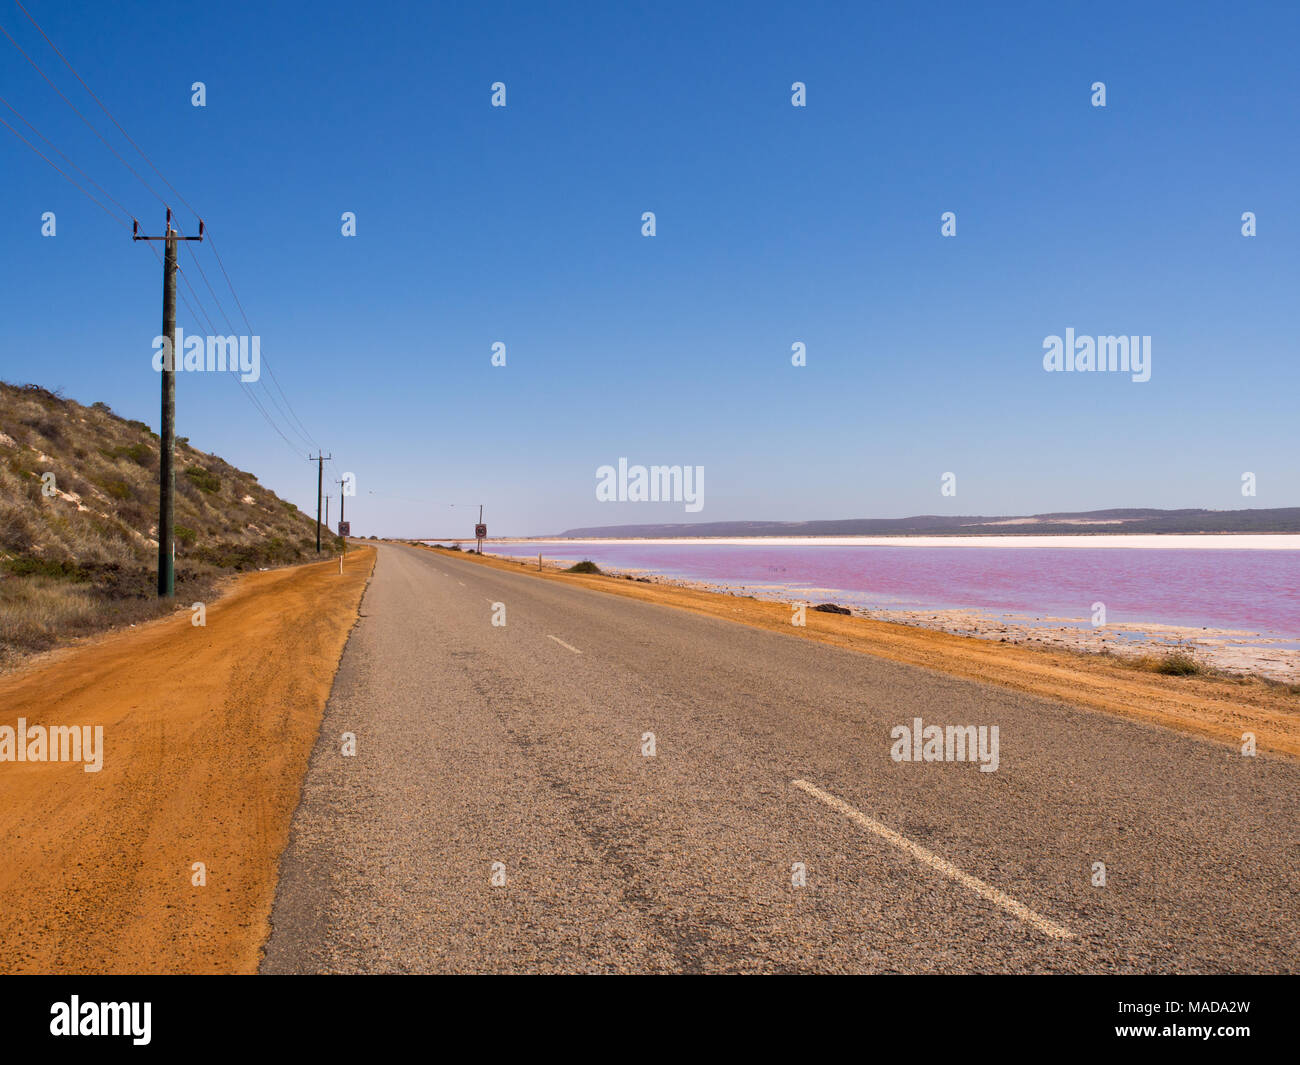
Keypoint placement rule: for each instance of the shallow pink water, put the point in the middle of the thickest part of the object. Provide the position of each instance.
(1255, 590)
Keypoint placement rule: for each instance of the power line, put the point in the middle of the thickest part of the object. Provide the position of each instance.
(249, 325)
(103, 108)
(252, 396)
(231, 326)
(290, 417)
(203, 314)
(83, 118)
(107, 195)
(306, 438)
(68, 179)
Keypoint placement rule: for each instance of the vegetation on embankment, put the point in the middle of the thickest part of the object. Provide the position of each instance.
(79, 513)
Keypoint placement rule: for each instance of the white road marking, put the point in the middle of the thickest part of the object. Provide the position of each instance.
(563, 644)
(1048, 928)
(461, 583)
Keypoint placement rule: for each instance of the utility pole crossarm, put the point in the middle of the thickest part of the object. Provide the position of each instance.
(171, 235)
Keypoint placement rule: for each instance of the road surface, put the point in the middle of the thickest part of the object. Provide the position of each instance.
(500, 813)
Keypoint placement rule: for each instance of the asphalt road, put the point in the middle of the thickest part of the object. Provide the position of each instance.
(523, 745)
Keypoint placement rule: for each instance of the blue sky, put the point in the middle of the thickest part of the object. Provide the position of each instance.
(775, 224)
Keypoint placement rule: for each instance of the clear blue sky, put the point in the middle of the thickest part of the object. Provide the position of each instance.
(775, 224)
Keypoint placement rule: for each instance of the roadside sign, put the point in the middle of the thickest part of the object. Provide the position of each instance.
(480, 531)
(345, 528)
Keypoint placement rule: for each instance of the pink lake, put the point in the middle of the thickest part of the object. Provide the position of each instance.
(1221, 588)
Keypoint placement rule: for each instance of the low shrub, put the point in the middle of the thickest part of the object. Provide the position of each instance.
(55, 569)
(203, 480)
(115, 487)
(1179, 664)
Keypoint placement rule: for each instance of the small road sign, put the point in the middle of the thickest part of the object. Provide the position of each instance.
(480, 531)
(345, 528)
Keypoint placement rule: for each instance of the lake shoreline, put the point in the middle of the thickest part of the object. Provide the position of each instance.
(1239, 651)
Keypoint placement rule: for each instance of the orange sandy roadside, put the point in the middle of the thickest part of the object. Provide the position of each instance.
(207, 732)
(1214, 707)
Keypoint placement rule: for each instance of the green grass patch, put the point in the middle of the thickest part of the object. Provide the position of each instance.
(115, 487)
(203, 480)
(140, 454)
(55, 569)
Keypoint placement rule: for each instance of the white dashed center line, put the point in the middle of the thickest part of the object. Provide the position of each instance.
(563, 644)
(942, 865)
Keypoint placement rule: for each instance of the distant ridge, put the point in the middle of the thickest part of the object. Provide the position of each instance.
(1277, 520)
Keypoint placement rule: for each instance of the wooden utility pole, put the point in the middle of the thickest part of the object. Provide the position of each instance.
(320, 483)
(167, 443)
(343, 484)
